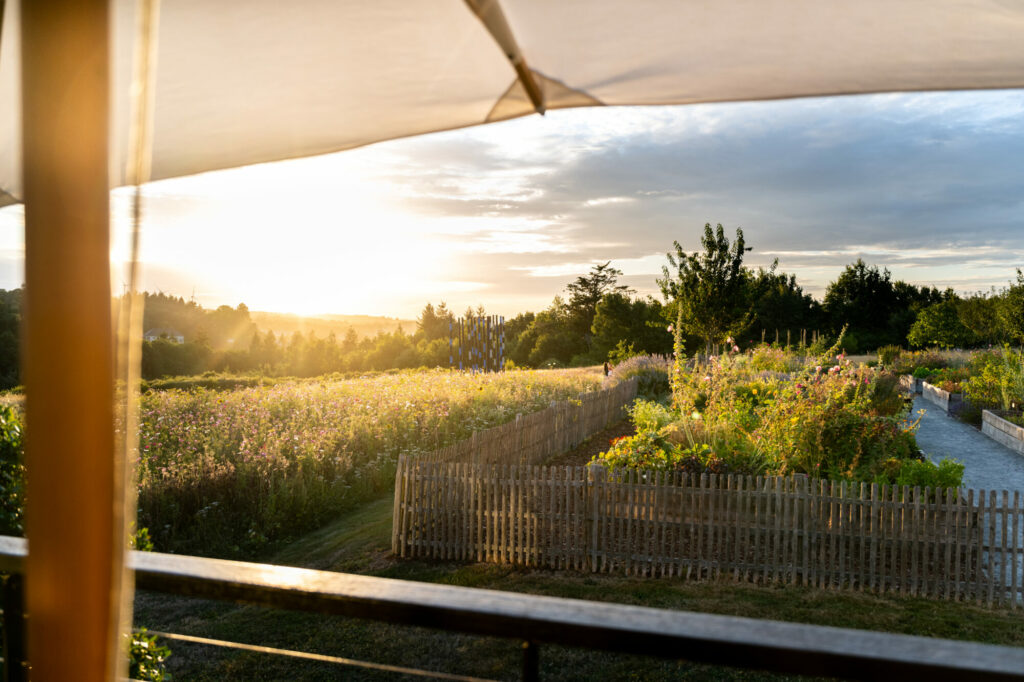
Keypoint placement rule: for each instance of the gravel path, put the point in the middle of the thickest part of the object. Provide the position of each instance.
(987, 464)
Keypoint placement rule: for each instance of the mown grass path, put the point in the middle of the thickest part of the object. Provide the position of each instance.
(358, 542)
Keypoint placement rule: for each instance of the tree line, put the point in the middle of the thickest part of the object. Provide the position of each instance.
(708, 295)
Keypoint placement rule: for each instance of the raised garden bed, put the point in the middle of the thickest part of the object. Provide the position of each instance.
(1002, 431)
(953, 403)
(910, 383)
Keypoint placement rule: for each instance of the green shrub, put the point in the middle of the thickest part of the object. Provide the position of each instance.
(922, 373)
(645, 450)
(651, 371)
(909, 362)
(765, 358)
(951, 379)
(947, 474)
(888, 354)
(146, 658)
(623, 352)
(12, 473)
(648, 415)
(840, 424)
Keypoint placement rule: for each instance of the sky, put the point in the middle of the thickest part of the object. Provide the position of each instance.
(929, 185)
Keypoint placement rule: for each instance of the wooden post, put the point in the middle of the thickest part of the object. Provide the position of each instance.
(74, 514)
(596, 476)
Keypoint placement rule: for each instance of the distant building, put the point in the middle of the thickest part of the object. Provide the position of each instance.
(172, 335)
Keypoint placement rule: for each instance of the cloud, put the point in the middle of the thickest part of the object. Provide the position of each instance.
(930, 185)
(916, 182)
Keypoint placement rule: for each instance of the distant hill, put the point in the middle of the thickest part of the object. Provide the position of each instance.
(322, 325)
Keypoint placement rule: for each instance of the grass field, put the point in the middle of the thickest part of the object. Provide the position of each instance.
(358, 542)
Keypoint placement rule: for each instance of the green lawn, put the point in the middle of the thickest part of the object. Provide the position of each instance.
(359, 543)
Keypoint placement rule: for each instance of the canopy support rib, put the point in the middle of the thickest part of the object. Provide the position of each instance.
(493, 18)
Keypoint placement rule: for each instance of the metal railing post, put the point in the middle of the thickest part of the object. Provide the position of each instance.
(531, 661)
(13, 599)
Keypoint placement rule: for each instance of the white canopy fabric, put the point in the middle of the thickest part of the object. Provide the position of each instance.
(248, 81)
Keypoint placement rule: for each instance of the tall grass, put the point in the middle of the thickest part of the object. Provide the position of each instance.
(226, 472)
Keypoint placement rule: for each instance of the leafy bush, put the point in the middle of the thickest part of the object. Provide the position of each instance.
(888, 354)
(838, 422)
(645, 450)
(146, 658)
(947, 474)
(623, 352)
(652, 372)
(922, 373)
(909, 362)
(650, 416)
(12, 473)
(950, 379)
(996, 379)
(841, 424)
(772, 359)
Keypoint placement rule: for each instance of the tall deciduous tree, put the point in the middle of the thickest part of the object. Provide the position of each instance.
(1011, 310)
(634, 321)
(779, 304)
(586, 292)
(707, 291)
(864, 298)
(939, 325)
(979, 312)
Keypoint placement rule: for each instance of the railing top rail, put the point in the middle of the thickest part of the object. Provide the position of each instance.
(727, 640)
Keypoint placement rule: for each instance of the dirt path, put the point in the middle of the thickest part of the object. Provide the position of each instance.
(595, 445)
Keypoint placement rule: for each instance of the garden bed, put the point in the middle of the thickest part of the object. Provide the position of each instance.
(910, 383)
(953, 403)
(1002, 431)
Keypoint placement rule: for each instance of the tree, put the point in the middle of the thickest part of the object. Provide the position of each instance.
(864, 298)
(979, 312)
(586, 292)
(1011, 310)
(636, 322)
(778, 303)
(939, 325)
(10, 323)
(434, 323)
(549, 336)
(707, 292)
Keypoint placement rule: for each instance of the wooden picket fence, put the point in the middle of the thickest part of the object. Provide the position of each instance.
(532, 438)
(943, 543)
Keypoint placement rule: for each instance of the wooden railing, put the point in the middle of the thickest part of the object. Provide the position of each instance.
(943, 543)
(534, 621)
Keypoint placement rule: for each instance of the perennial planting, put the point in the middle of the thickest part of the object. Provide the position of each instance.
(774, 412)
(226, 472)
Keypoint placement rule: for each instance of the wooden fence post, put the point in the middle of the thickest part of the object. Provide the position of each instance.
(397, 511)
(597, 474)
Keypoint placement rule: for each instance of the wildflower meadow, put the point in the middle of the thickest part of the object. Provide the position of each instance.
(227, 472)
